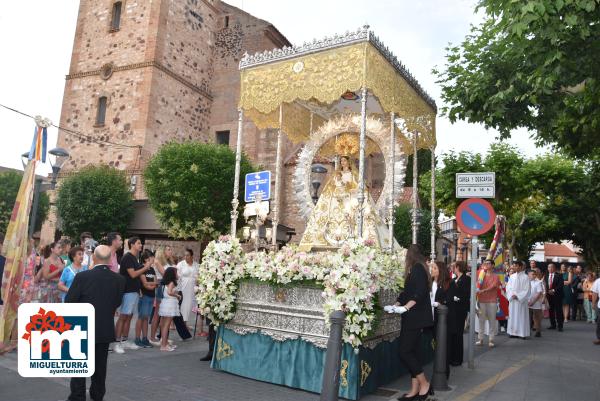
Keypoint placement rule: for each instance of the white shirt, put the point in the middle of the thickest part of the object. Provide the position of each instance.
(536, 288)
(596, 289)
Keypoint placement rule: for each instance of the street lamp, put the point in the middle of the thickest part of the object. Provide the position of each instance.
(60, 157)
(319, 172)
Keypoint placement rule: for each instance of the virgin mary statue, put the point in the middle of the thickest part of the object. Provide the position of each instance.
(334, 218)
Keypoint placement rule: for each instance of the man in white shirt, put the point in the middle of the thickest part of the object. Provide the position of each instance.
(517, 292)
(596, 303)
(536, 299)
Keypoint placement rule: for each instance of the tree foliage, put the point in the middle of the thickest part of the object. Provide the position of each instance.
(403, 227)
(10, 182)
(189, 187)
(95, 199)
(423, 166)
(531, 64)
(538, 196)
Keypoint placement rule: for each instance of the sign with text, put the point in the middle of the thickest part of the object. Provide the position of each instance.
(56, 340)
(258, 183)
(476, 185)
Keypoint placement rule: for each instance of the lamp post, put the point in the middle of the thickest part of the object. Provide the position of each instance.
(319, 172)
(60, 157)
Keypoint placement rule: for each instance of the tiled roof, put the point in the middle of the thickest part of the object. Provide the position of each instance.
(559, 250)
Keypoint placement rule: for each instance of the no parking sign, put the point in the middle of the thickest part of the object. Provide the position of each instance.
(475, 216)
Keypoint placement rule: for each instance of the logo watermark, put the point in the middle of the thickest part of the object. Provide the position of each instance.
(56, 340)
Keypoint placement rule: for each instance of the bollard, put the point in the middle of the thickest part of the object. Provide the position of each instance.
(439, 380)
(331, 371)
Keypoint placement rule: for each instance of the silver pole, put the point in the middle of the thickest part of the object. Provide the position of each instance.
(433, 220)
(277, 179)
(361, 160)
(393, 189)
(415, 219)
(471, 345)
(236, 180)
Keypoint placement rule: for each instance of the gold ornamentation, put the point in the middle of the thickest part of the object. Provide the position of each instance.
(365, 371)
(347, 144)
(224, 350)
(280, 295)
(433, 343)
(326, 75)
(343, 370)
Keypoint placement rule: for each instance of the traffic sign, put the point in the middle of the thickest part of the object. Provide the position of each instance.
(476, 185)
(475, 216)
(258, 183)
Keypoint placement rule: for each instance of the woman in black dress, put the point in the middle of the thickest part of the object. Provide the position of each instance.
(445, 294)
(463, 292)
(415, 307)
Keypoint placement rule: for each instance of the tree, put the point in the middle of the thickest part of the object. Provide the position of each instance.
(531, 64)
(10, 182)
(189, 187)
(95, 199)
(403, 227)
(533, 194)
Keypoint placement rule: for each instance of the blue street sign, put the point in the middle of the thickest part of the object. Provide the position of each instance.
(257, 183)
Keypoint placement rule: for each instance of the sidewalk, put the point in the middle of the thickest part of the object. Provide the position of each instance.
(559, 366)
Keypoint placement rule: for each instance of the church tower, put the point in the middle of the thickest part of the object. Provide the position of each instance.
(144, 73)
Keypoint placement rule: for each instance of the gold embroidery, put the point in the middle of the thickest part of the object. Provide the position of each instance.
(343, 370)
(327, 75)
(433, 343)
(365, 371)
(223, 350)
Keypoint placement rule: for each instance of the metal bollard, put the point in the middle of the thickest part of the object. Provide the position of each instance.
(331, 371)
(439, 380)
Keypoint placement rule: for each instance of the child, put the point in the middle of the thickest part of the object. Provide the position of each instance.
(169, 307)
(146, 301)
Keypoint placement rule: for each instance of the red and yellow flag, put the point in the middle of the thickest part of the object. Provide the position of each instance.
(15, 250)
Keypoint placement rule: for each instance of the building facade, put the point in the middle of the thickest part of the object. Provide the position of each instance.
(144, 73)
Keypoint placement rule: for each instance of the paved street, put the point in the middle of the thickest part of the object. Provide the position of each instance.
(558, 367)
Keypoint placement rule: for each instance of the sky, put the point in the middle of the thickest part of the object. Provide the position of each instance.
(36, 40)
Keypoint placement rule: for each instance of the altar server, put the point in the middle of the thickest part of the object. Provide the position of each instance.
(517, 291)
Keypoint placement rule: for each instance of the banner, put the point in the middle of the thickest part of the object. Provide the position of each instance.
(496, 255)
(15, 246)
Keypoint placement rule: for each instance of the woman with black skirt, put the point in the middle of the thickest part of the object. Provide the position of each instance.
(463, 292)
(415, 307)
(445, 294)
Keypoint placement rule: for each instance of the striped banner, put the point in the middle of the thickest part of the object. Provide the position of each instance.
(38, 146)
(15, 250)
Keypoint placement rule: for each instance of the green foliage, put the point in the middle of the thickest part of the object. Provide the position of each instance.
(537, 196)
(423, 166)
(10, 182)
(403, 227)
(189, 187)
(531, 64)
(95, 199)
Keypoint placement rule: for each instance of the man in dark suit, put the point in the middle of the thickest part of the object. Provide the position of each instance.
(554, 288)
(104, 290)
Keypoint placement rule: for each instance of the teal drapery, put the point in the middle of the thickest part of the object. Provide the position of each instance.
(299, 364)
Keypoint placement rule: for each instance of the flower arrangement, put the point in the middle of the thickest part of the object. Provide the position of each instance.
(350, 276)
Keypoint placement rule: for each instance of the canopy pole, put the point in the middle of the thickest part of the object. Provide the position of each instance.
(361, 160)
(236, 181)
(277, 180)
(433, 219)
(415, 212)
(392, 182)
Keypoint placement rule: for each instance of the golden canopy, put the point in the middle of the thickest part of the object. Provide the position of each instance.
(308, 83)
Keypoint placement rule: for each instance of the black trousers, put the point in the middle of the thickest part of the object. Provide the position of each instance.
(98, 387)
(455, 341)
(212, 336)
(556, 312)
(409, 350)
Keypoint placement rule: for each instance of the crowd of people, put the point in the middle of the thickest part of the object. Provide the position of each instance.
(531, 293)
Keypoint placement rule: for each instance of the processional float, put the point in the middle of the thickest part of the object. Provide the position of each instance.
(313, 94)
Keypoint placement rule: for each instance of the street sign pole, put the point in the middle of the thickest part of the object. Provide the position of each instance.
(471, 345)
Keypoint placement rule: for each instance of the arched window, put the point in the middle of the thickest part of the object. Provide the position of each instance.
(101, 113)
(116, 16)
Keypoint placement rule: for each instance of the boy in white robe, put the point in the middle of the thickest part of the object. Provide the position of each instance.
(517, 292)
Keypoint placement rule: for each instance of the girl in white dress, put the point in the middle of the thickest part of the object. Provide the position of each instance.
(169, 306)
(187, 272)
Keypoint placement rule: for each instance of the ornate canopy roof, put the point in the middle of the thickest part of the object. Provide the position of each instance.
(316, 81)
